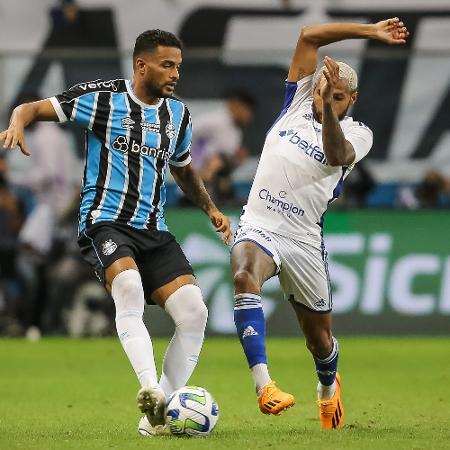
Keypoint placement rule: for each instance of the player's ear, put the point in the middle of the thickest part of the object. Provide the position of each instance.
(139, 66)
(353, 97)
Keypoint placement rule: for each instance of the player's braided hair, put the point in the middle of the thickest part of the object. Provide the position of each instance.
(150, 39)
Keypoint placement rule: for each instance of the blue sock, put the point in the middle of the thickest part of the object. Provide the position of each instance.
(251, 327)
(326, 368)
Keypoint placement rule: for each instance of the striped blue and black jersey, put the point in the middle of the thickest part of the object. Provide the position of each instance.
(128, 147)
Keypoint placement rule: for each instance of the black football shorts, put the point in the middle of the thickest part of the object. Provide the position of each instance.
(157, 254)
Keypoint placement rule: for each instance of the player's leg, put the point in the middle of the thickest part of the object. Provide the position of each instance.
(251, 266)
(316, 327)
(170, 283)
(123, 280)
(182, 299)
(305, 283)
(111, 252)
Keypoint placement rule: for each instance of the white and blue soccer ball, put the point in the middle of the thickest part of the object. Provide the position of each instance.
(192, 411)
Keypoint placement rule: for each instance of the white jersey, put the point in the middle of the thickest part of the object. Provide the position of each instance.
(294, 183)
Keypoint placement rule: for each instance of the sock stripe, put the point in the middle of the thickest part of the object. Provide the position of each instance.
(241, 303)
(332, 355)
(247, 296)
(239, 308)
(247, 301)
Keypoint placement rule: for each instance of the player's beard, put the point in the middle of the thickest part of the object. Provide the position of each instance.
(155, 90)
(318, 117)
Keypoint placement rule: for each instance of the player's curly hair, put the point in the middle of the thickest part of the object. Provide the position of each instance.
(150, 39)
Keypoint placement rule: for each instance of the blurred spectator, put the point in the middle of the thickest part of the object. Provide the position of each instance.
(51, 175)
(91, 33)
(432, 192)
(77, 304)
(11, 219)
(357, 186)
(217, 146)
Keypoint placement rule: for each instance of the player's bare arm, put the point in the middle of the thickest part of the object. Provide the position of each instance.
(304, 62)
(22, 116)
(192, 185)
(338, 150)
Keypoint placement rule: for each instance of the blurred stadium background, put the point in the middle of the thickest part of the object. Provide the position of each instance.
(387, 237)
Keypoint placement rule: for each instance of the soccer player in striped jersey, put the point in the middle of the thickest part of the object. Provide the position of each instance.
(135, 129)
(308, 152)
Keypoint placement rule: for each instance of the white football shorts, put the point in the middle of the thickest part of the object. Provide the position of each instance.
(302, 268)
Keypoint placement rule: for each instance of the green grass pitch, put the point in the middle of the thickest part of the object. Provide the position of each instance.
(79, 394)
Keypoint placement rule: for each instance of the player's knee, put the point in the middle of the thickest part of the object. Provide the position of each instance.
(127, 291)
(187, 309)
(244, 281)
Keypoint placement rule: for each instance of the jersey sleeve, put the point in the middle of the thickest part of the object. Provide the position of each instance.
(182, 155)
(361, 138)
(78, 104)
(298, 92)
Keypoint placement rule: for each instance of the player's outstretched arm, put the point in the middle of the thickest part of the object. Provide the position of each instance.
(21, 117)
(304, 62)
(192, 185)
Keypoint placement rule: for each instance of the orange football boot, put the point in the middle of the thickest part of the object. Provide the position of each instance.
(332, 411)
(273, 400)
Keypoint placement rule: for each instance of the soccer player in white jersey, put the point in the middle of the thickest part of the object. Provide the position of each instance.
(308, 152)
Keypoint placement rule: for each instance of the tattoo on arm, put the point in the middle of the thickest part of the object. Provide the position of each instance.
(192, 185)
(338, 150)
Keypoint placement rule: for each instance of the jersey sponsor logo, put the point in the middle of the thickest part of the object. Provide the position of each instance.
(278, 204)
(128, 123)
(122, 144)
(170, 130)
(98, 85)
(249, 331)
(109, 247)
(311, 150)
(146, 126)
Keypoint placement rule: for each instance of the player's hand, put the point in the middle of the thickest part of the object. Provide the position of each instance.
(331, 74)
(14, 137)
(391, 31)
(222, 225)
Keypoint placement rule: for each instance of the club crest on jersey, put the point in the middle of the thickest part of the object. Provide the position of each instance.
(170, 130)
(127, 123)
(109, 247)
(95, 215)
(286, 132)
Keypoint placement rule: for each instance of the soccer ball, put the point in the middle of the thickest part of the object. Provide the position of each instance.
(192, 411)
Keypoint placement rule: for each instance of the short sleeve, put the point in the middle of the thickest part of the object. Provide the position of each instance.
(298, 92)
(77, 105)
(361, 138)
(182, 155)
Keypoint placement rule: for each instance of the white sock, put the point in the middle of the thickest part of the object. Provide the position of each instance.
(261, 376)
(189, 313)
(128, 295)
(326, 392)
